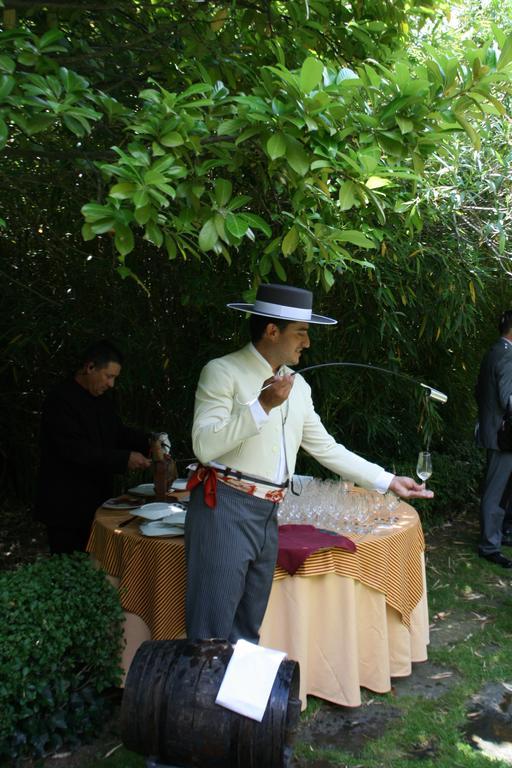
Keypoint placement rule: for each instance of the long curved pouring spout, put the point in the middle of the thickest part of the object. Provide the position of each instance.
(433, 394)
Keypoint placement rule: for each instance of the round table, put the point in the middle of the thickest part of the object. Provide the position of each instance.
(350, 619)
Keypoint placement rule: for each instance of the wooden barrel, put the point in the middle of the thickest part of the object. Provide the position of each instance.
(168, 709)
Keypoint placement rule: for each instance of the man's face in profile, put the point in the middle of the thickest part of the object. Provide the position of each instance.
(97, 380)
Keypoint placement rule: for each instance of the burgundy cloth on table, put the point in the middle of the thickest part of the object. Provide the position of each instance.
(297, 542)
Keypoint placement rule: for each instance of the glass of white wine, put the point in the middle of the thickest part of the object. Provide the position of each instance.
(424, 466)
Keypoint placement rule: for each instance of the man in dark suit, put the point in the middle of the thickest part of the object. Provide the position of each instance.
(493, 390)
(83, 444)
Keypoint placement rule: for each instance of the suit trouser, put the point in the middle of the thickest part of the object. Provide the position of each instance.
(231, 552)
(499, 467)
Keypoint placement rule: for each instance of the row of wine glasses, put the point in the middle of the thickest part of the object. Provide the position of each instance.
(336, 506)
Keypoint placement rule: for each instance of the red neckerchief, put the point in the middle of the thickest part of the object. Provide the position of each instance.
(208, 477)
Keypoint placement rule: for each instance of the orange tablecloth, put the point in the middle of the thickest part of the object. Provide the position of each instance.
(350, 619)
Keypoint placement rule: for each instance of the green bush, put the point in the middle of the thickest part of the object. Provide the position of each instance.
(60, 645)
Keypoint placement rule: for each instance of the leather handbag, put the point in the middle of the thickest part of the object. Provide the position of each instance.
(504, 435)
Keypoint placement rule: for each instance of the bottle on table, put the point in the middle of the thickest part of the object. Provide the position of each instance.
(164, 466)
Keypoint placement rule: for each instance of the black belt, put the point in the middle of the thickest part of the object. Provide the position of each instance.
(228, 471)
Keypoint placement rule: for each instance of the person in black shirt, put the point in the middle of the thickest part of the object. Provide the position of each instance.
(83, 445)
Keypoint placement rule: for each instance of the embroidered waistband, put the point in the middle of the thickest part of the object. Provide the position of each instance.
(253, 486)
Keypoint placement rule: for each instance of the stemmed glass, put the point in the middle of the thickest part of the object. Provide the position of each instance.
(424, 466)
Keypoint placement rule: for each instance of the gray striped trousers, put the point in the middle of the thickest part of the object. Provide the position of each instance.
(231, 552)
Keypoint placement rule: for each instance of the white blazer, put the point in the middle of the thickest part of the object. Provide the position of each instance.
(225, 431)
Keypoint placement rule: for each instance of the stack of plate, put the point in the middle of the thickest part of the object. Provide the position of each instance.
(163, 519)
(148, 489)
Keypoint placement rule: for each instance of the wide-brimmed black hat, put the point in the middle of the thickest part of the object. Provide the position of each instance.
(284, 303)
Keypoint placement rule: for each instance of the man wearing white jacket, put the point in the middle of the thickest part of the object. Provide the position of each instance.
(251, 417)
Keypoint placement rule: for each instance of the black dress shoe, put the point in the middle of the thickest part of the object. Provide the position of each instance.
(498, 559)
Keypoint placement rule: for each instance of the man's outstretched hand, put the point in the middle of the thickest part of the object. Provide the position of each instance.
(407, 488)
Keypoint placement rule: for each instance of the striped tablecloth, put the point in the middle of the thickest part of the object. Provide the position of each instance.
(151, 571)
(389, 560)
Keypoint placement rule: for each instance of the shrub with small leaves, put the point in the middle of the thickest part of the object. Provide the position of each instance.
(60, 646)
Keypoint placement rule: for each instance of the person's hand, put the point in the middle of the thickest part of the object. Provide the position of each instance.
(276, 393)
(407, 488)
(137, 461)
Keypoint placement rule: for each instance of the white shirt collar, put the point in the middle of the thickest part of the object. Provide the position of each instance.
(259, 356)
(264, 360)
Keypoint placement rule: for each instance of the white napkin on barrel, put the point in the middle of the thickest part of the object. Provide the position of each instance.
(249, 678)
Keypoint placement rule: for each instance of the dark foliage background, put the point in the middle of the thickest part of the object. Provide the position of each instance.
(427, 308)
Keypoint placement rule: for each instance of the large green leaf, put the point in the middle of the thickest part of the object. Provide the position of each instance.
(236, 225)
(296, 156)
(208, 235)
(75, 126)
(228, 127)
(257, 223)
(7, 84)
(95, 211)
(347, 195)
(154, 177)
(290, 241)
(238, 201)
(141, 198)
(88, 232)
(101, 226)
(276, 146)
(223, 191)
(7, 64)
(172, 139)
(143, 214)
(506, 53)
(170, 246)
(405, 124)
(122, 191)
(154, 234)
(471, 132)
(310, 74)
(355, 237)
(375, 182)
(327, 278)
(49, 38)
(247, 134)
(124, 240)
(279, 269)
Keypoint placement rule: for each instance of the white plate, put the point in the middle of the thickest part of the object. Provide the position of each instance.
(146, 489)
(180, 484)
(176, 518)
(157, 528)
(121, 504)
(158, 510)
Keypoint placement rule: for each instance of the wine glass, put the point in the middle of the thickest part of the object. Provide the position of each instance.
(424, 466)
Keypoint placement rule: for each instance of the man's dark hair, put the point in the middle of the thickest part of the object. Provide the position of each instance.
(505, 323)
(258, 323)
(101, 353)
